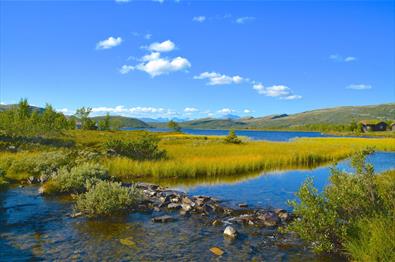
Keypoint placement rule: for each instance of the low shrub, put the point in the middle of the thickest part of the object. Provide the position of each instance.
(106, 198)
(143, 147)
(75, 179)
(232, 138)
(352, 213)
(22, 165)
(3, 180)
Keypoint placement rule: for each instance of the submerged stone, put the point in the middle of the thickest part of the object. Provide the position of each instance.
(163, 219)
(217, 251)
(128, 242)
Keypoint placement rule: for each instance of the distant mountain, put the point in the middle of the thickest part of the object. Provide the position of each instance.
(8, 107)
(125, 121)
(230, 116)
(162, 120)
(337, 115)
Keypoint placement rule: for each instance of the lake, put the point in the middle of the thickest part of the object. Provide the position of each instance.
(251, 134)
(33, 227)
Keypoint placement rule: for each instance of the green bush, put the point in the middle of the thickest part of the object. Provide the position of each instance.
(3, 180)
(75, 179)
(232, 138)
(106, 198)
(332, 220)
(44, 163)
(373, 239)
(143, 147)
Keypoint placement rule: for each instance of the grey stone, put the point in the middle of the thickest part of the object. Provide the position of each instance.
(230, 232)
(163, 219)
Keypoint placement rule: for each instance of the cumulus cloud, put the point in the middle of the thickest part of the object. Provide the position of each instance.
(199, 19)
(154, 65)
(62, 110)
(279, 91)
(190, 110)
(247, 111)
(165, 46)
(109, 43)
(219, 79)
(340, 58)
(244, 19)
(359, 86)
(225, 111)
(126, 69)
(134, 111)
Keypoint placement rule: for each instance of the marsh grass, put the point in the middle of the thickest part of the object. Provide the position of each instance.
(194, 158)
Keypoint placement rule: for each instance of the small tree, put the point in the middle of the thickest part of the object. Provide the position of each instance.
(83, 115)
(174, 126)
(105, 123)
(232, 138)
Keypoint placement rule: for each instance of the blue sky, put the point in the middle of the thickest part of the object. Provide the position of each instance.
(197, 58)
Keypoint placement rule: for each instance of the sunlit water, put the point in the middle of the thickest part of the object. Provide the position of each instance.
(36, 228)
(251, 134)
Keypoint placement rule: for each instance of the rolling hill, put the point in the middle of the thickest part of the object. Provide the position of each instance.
(336, 116)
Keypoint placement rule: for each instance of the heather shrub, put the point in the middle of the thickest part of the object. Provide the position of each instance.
(106, 198)
(352, 215)
(143, 147)
(75, 179)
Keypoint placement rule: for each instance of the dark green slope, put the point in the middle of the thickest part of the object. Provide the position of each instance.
(124, 121)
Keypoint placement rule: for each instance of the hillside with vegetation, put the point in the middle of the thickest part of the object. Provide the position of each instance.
(330, 119)
(124, 121)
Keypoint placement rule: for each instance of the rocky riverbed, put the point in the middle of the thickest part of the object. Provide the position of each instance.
(157, 199)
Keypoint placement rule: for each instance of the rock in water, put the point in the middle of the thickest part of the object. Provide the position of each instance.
(230, 232)
(128, 242)
(243, 205)
(217, 251)
(163, 219)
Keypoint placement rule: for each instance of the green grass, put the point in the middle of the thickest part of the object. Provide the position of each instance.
(190, 156)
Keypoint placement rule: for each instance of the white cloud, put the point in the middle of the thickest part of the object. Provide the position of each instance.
(190, 109)
(134, 111)
(280, 91)
(359, 86)
(339, 58)
(126, 69)
(164, 66)
(150, 57)
(63, 110)
(219, 79)
(349, 59)
(247, 111)
(155, 65)
(291, 97)
(109, 43)
(199, 19)
(243, 20)
(165, 46)
(225, 111)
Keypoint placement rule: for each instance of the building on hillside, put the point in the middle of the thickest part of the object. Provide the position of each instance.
(392, 127)
(373, 125)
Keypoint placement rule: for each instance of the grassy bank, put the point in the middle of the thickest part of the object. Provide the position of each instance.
(187, 155)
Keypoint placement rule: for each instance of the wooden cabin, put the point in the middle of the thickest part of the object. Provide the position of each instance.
(373, 125)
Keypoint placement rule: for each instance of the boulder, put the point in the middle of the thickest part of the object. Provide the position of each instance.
(163, 219)
(243, 205)
(186, 207)
(230, 232)
(269, 219)
(217, 222)
(173, 206)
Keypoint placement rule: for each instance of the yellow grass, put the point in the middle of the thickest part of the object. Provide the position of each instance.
(194, 158)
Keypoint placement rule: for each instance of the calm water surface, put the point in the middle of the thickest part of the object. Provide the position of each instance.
(252, 134)
(34, 228)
